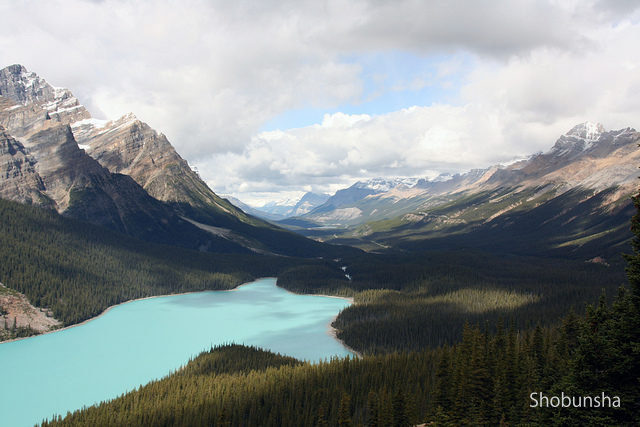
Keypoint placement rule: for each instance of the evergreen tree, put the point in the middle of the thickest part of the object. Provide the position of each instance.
(442, 390)
(385, 417)
(372, 410)
(344, 413)
(322, 416)
(400, 418)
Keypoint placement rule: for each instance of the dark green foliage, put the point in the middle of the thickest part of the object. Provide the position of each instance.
(489, 381)
(77, 269)
(233, 358)
(410, 302)
(15, 331)
(278, 392)
(344, 411)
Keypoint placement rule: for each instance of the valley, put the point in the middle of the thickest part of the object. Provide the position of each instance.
(469, 290)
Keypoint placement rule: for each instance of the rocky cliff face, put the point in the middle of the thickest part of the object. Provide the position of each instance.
(29, 105)
(131, 147)
(19, 180)
(26, 88)
(121, 174)
(42, 164)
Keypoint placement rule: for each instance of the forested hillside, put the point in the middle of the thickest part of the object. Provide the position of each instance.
(78, 269)
(402, 302)
(411, 302)
(485, 380)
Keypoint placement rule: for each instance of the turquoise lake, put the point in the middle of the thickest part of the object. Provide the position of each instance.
(139, 341)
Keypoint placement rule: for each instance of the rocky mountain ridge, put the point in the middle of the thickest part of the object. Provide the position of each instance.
(120, 174)
(43, 165)
(574, 200)
(587, 157)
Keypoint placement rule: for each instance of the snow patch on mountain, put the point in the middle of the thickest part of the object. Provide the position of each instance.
(588, 130)
(382, 185)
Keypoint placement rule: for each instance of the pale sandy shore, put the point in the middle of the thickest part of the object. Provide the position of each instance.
(331, 330)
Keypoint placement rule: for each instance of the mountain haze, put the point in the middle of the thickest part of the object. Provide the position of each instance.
(275, 211)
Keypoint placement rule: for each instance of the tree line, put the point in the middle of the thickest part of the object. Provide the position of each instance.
(484, 380)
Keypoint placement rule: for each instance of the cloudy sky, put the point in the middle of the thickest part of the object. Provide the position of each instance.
(269, 99)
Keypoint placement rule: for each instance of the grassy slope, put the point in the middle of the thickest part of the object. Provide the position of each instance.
(576, 224)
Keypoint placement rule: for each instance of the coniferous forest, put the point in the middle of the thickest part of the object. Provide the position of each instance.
(448, 338)
(442, 199)
(485, 378)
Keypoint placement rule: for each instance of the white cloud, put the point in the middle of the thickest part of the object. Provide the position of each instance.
(411, 142)
(209, 74)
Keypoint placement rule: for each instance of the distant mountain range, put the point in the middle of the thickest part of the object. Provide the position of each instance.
(581, 186)
(124, 175)
(275, 211)
(120, 174)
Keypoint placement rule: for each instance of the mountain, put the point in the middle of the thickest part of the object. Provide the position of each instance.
(278, 211)
(348, 206)
(275, 210)
(44, 166)
(581, 186)
(120, 174)
(130, 147)
(307, 203)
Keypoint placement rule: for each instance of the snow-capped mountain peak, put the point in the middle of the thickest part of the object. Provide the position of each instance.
(25, 87)
(580, 138)
(588, 130)
(381, 185)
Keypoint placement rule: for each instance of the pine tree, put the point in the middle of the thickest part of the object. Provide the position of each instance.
(344, 413)
(372, 409)
(322, 416)
(385, 414)
(443, 381)
(400, 418)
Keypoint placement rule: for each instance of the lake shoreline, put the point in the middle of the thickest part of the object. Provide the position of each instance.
(332, 332)
(106, 310)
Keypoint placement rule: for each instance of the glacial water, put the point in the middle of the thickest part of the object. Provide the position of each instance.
(134, 343)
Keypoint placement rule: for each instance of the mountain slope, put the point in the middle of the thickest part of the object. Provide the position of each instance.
(131, 147)
(124, 175)
(77, 269)
(569, 199)
(20, 181)
(43, 165)
(586, 157)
